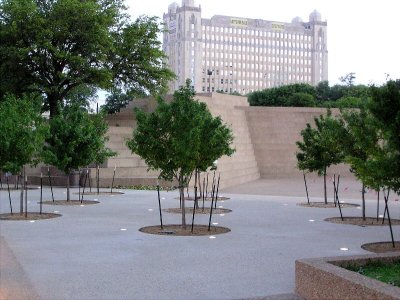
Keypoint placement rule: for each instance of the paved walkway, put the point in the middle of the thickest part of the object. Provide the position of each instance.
(97, 252)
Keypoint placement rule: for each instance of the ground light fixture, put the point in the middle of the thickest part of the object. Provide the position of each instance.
(212, 237)
(311, 220)
(123, 229)
(344, 249)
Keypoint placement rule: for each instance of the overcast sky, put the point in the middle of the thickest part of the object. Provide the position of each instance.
(363, 36)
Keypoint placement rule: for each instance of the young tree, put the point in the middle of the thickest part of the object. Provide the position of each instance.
(55, 47)
(22, 132)
(76, 140)
(385, 107)
(360, 144)
(179, 137)
(319, 148)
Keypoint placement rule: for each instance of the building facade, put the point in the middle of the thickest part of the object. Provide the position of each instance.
(240, 55)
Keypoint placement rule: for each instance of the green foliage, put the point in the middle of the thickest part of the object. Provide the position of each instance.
(347, 102)
(360, 143)
(278, 96)
(385, 108)
(22, 132)
(77, 139)
(320, 148)
(306, 95)
(181, 136)
(115, 101)
(301, 100)
(56, 47)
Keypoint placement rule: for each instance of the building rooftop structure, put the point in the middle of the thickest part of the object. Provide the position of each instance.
(241, 55)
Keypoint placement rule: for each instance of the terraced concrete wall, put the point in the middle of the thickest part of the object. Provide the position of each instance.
(274, 133)
(264, 139)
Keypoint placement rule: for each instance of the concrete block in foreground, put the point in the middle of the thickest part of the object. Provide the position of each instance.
(325, 278)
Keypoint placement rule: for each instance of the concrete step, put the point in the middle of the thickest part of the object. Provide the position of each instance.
(126, 162)
(115, 130)
(136, 172)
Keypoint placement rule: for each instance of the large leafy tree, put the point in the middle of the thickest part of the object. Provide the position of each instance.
(319, 148)
(180, 137)
(76, 140)
(57, 46)
(22, 132)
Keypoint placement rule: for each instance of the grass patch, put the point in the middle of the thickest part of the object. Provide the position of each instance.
(385, 272)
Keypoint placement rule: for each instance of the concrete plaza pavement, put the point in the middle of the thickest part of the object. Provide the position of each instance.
(97, 252)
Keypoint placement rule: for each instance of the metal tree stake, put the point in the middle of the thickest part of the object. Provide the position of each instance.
(112, 182)
(159, 204)
(377, 207)
(337, 198)
(98, 179)
(388, 216)
(51, 185)
(9, 194)
(26, 196)
(41, 192)
(195, 198)
(84, 184)
(305, 183)
(216, 194)
(211, 210)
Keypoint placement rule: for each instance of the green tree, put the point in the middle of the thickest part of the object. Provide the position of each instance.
(116, 100)
(180, 137)
(385, 107)
(319, 148)
(54, 47)
(360, 143)
(76, 140)
(22, 132)
(278, 96)
(301, 100)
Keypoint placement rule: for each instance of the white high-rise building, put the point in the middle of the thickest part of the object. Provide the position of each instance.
(236, 54)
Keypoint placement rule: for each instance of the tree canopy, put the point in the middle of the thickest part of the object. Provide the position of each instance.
(320, 148)
(323, 95)
(54, 47)
(180, 137)
(76, 139)
(22, 132)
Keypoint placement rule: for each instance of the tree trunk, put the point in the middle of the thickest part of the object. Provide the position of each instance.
(363, 201)
(325, 194)
(53, 104)
(182, 193)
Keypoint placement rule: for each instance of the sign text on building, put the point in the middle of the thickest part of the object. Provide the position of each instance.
(239, 22)
(278, 26)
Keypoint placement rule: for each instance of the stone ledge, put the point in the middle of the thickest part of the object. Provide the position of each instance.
(323, 278)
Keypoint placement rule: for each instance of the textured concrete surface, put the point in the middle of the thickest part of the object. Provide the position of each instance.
(85, 254)
(327, 278)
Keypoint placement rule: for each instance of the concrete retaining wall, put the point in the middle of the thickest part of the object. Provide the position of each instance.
(324, 278)
(264, 139)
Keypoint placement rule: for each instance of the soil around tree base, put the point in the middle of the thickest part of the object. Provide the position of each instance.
(100, 193)
(189, 210)
(30, 216)
(206, 199)
(177, 230)
(361, 222)
(382, 247)
(70, 202)
(326, 205)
